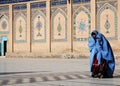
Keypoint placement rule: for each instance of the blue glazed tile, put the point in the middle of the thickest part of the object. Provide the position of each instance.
(37, 5)
(13, 1)
(5, 8)
(77, 1)
(23, 7)
(20, 7)
(61, 2)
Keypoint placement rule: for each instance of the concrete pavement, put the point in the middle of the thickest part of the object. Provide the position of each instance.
(51, 72)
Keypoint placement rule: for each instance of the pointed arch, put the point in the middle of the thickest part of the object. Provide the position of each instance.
(38, 13)
(4, 16)
(4, 24)
(105, 6)
(82, 8)
(59, 11)
(113, 9)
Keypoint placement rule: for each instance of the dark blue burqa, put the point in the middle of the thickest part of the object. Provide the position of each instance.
(102, 49)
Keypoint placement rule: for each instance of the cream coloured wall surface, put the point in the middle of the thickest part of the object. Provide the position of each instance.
(43, 30)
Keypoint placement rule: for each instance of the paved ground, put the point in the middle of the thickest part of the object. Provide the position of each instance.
(51, 72)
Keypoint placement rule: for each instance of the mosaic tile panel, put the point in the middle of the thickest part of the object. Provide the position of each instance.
(59, 20)
(80, 1)
(59, 25)
(107, 21)
(20, 23)
(58, 2)
(38, 5)
(38, 22)
(82, 24)
(103, 0)
(13, 1)
(4, 8)
(4, 20)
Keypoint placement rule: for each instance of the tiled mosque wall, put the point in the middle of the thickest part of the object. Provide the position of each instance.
(49, 26)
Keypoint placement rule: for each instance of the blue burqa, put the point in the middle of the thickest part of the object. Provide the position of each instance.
(102, 49)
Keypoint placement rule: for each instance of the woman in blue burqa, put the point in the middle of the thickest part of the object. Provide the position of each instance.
(102, 62)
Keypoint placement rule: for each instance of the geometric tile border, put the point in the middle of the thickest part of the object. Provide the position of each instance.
(53, 16)
(84, 9)
(15, 21)
(44, 17)
(20, 11)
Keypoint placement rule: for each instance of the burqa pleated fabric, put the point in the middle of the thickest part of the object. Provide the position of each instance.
(102, 49)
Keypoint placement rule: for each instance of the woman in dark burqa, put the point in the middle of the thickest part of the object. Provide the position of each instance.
(102, 63)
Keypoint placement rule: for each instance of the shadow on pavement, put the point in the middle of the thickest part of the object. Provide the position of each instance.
(117, 76)
(8, 73)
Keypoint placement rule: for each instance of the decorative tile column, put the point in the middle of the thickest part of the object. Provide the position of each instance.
(10, 47)
(29, 41)
(118, 19)
(70, 22)
(48, 24)
(93, 15)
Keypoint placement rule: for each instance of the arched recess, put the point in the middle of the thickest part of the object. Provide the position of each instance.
(4, 24)
(107, 21)
(39, 27)
(20, 28)
(82, 24)
(59, 25)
